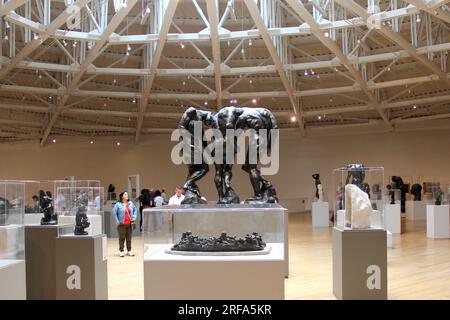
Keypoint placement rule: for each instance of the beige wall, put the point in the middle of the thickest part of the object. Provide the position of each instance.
(415, 154)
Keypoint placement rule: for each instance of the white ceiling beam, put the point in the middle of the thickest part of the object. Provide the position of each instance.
(354, 60)
(397, 38)
(164, 30)
(91, 56)
(256, 15)
(224, 35)
(11, 5)
(213, 16)
(437, 12)
(226, 95)
(36, 43)
(300, 9)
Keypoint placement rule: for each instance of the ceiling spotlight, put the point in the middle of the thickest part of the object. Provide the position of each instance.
(242, 51)
(118, 143)
(319, 117)
(114, 81)
(250, 42)
(36, 36)
(182, 45)
(228, 43)
(128, 47)
(91, 142)
(414, 107)
(74, 44)
(326, 34)
(127, 54)
(6, 24)
(293, 118)
(389, 69)
(250, 81)
(6, 37)
(54, 140)
(134, 100)
(64, 43)
(306, 72)
(418, 19)
(254, 101)
(147, 10)
(206, 103)
(40, 76)
(184, 83)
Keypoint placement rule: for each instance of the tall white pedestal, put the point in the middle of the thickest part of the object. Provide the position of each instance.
(392, 218)
(416, 210)
(94, 229)
(176, 277)
(438, 224)
(12, 280)
(320, 214)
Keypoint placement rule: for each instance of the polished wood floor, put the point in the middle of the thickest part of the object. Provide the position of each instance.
(418, 268)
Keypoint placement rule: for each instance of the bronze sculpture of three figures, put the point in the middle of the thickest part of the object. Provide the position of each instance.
(253, 120)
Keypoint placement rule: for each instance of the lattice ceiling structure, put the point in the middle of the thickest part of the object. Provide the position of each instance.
(129, 67)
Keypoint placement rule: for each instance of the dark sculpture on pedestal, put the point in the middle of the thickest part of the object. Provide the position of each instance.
(243, 119)
(196, 171)
(316, 178)
(255, 119)
(81, 218)
(46, 205)
(416, 190)
(391, 193)
(111, 192)
(397, 183)
(439, 195)
(223, 243)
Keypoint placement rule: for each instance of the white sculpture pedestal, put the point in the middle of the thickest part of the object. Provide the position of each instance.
(12, 280)
(177, 277)
(416, 210)
(33, 218)
(392, 218)
(320, 215)
(11, 241)
(438, 224)
(94, 229)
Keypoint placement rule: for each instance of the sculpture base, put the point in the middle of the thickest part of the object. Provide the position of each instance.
(175, 277)
(191, 197)
(265, 251)
(12, 280)
(320, 215)
(392, 218)
(416, 210)
(438, 224)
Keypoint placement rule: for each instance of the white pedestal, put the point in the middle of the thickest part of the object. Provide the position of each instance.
(176, 277)
(416, 210)
(11, 241)
(438, 224)
(94, 229)
(12, 280)
(390, 242)
(375, 219)
(33, 218)
(392, 218)
(320, 215)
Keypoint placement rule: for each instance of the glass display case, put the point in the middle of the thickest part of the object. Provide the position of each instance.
(81, 206)
(355, 204)
(12, 220)
(392, 196)
(229, 227)
(438, 194)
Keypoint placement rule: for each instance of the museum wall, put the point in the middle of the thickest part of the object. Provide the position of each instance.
(415, 154)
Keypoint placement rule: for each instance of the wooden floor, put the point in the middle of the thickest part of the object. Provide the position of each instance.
(418, 268)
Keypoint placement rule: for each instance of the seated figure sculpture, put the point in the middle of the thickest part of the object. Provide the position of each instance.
(196, 171)
(46, 205)
(81, 218)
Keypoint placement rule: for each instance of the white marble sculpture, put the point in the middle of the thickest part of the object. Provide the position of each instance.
(358, 208)
(320, 191)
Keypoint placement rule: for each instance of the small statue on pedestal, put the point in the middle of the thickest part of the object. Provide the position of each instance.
(397, 183)
(46, 205)
(4, 207)
(81, 218)
(439, 195)
(319, 188)
(416, 190)
(391, 193)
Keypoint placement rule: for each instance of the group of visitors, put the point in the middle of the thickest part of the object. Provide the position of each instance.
(125, 212)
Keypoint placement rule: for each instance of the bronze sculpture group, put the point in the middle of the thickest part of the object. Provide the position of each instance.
(227, 118)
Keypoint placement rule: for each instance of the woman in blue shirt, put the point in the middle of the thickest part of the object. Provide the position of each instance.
(124, 214)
